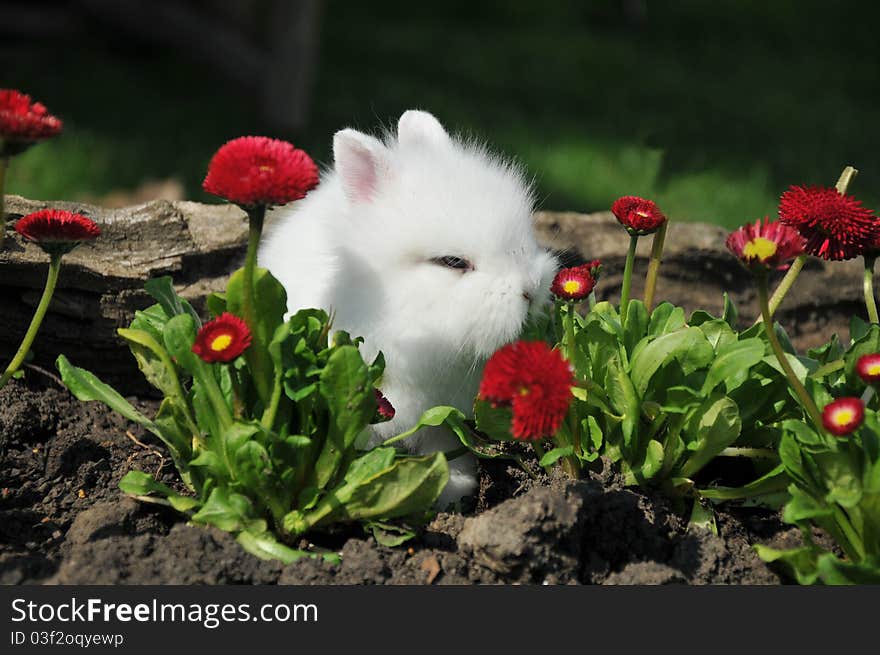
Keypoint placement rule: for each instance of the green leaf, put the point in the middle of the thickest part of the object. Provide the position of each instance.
(665, 318)
(408, 486)
(702, 517)
(345, 386)
(258, 477)
(151, 320)
(730, 314)
(153, 360)
(442, 414)
(867, 343)
(213, 411)
(625, 402)
(798, 563)
(162, 289)
(267, 547)
(718, 333)
(834, 571)
(216, 467)
(495, 422)
(226, 510)
(858, 328)
(653, 462)
(180, 335)
(174, 427)
(86, 386)
(216, 303)
(771, 482)
(732, 364)
(636, 325)
(554, 455)
(802, 507)
(389, 534)
(689, 346)
(717, 425)
(142, 485)
(270, 304)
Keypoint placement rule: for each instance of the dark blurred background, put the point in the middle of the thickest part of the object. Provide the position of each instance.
(711, 108)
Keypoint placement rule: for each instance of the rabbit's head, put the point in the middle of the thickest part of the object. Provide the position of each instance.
(437, 255)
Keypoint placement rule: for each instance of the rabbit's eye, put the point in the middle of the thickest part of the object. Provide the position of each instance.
(451, 261)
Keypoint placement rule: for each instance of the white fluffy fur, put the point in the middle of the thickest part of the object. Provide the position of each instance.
(361, 244)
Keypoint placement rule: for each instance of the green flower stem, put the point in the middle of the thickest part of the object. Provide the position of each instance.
(568, 326)
(654, 265)
(809, 406)
(4, 164)
(257, 356)
(786, 284)
(868, 287)
(271, 412)
(39, 314)
(627, 276)
(215, 397)
(852, 543)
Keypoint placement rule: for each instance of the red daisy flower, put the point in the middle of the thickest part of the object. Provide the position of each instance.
(575, 283)
(835, 226)
(257, 170)
(843, 416)
(868, 368)
(23, 122)
(534, 381)
(222, 339)
(57, 231)
(384, 409)
(637, 215)
(771, 245)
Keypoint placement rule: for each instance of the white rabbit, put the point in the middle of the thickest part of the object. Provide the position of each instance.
(424, 245)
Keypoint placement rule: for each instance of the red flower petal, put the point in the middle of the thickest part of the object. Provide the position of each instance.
(574, 283)
(257, 170)
(222, 339)
(56, 230)
(843, 416)
(868, 368)
(637, 215)
(535, 381)
(771, 245)
(23, 121)
(384, 409)
(835, 226)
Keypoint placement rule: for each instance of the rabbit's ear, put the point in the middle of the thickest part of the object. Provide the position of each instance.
(361, 162)
(417, 126)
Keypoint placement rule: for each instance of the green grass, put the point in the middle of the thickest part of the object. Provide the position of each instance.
(712, 109)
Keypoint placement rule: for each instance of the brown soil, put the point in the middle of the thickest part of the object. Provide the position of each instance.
(63, 520)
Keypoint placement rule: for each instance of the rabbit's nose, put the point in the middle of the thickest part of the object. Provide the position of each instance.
(527, 296)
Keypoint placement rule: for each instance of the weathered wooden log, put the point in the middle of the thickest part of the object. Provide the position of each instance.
(199, 245)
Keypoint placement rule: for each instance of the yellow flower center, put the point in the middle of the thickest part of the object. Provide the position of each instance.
(874, 369)
(265, 168)
(760, 248)
(571, 286)
(843, 416)
(221, 342)
(524, 391)
(643, 214)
